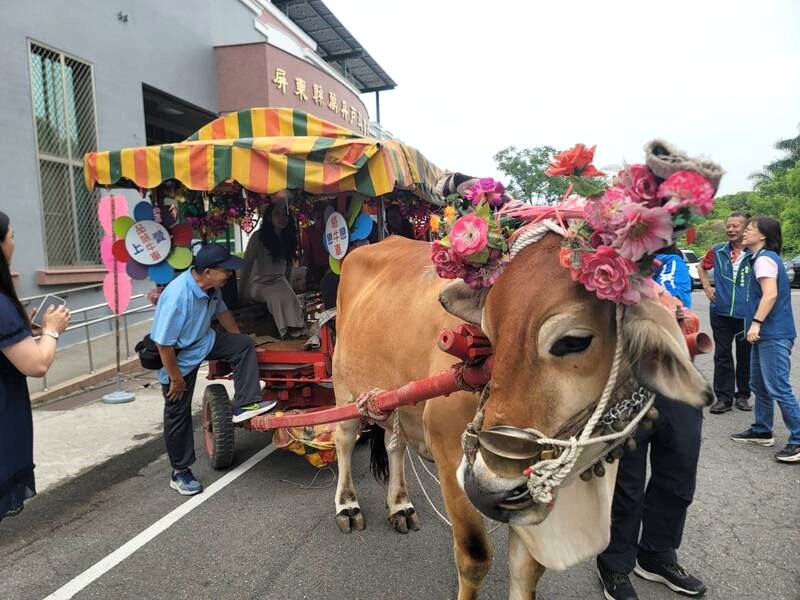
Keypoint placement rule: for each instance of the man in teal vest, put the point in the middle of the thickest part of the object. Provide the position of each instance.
(728, 308)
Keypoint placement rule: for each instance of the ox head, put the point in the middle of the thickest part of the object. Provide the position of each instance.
(553, 346)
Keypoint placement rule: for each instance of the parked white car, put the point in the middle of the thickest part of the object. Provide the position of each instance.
(692, 261)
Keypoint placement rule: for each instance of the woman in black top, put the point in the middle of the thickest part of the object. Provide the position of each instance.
(20, 356)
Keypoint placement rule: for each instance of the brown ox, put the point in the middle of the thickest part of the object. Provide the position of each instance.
(553, 345)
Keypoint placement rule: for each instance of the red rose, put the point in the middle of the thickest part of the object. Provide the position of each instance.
(575, 161)
(448, 264)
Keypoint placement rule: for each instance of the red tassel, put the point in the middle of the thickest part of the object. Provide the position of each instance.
(690, 235)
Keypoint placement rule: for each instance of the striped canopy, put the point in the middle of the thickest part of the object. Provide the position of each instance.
(268, 150)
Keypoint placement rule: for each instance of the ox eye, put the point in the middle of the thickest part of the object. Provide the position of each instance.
(570, 344)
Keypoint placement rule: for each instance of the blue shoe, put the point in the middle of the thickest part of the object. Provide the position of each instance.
(185, 483)
(248, 411)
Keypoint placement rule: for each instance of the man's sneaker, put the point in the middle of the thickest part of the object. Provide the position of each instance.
(185, 483)
(751, 437)
(789, 454)
(616, 585)
(743, 404)
(248, 411)
(719, 407)
(672, 575)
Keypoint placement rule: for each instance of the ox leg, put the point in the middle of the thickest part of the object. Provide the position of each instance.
(348, 511)
(523, 569)
(402, 514)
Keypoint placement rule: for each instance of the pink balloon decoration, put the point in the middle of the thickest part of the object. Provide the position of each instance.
(104, 210)
(124, 290)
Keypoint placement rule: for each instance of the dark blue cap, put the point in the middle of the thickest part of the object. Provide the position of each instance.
(216, 256)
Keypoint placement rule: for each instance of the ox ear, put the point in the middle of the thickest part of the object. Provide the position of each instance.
(460, 300)
(660, 357)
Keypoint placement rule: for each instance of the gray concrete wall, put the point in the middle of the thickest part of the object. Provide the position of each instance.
(168, 45)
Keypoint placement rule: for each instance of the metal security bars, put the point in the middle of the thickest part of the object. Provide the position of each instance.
(62, 89)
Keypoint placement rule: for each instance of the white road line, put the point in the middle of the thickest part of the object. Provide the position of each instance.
(109, 562)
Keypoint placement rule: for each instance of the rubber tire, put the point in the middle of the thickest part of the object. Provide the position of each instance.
(222, 450)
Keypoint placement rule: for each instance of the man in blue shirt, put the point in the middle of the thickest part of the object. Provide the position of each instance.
(673, 275)
(182, 332)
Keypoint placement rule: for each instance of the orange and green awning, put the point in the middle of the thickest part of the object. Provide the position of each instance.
(287, 149)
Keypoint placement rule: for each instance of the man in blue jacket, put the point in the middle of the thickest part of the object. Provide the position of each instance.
(728, 308)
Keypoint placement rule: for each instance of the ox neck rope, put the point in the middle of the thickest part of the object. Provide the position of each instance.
(550, 472)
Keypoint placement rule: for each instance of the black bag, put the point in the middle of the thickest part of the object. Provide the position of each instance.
(149, 357)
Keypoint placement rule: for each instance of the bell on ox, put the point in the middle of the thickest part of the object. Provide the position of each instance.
(508, 451)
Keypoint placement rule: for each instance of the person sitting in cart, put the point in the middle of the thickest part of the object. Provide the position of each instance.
(269, 251)
(184, 337)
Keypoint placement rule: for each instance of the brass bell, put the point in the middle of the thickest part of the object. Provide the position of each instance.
(630, 444)
(619, 425)
(586, 475)
(610, 458)
(599, 469)
(618, 452)
(652, 413)
(646, 424)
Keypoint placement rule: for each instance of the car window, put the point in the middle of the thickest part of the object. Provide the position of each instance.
(689, 256)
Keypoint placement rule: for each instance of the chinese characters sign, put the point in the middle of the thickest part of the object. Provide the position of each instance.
(319, 96)
(336, 237)
(148, 242)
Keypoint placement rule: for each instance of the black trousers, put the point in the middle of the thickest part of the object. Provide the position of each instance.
(659, 511)
(728, 331)
(239, 351)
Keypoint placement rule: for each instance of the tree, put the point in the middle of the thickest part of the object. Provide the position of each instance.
(791, 155)
(525, 169)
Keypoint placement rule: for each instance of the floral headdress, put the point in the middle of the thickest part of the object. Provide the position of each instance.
(611, 231)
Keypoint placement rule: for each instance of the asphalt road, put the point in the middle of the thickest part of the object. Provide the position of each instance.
(265, 536)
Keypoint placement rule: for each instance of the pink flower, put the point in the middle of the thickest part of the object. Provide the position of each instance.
(604, 214)
(486, 189)
(608, 274)
(687, 189)
(447, 262)
(645, 230)
(480, 276)
(640, 183)
(469, 235)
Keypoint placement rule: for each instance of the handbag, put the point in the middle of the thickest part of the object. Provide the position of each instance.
(149, 357)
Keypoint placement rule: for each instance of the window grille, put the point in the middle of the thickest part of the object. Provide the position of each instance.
(63, 109)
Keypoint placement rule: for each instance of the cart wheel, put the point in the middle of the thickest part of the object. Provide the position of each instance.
(218, 426)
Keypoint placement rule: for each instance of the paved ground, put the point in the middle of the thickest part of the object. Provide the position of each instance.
(263, 536)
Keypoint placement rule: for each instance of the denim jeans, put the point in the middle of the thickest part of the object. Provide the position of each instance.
(769, 380)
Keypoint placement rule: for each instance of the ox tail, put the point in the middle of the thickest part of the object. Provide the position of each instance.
(378, 457)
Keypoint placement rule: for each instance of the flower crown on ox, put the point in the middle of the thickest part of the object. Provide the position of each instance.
(612, 231)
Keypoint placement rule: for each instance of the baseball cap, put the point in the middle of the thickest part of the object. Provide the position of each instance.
(216, 256)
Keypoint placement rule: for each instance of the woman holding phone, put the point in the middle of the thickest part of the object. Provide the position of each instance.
(20, 357)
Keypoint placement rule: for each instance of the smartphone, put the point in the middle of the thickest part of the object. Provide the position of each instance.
(47, 302)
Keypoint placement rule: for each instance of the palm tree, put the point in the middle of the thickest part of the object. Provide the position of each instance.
(791, 149)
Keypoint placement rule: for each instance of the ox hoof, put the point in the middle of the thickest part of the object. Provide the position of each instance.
(350, 519)
(404, 520)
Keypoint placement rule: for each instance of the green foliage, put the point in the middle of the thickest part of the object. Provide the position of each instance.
(525, 169)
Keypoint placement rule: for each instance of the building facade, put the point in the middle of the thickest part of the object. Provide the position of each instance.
(91, 75)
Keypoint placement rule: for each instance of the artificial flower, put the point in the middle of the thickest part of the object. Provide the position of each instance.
(488, 190)
(482, 276)
(469, 235)
(640, 183)
(436, 223)
(645, 231)
(577, 161)
(448, 264)
(608, 274)
(687, 189)
(449, 212)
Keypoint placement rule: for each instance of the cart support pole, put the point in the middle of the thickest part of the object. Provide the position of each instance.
(459, 378)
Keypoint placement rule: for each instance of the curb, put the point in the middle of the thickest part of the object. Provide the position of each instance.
(83, 382)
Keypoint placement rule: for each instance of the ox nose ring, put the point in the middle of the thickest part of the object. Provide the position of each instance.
(508, 451)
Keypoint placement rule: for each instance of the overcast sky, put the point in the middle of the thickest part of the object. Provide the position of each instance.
(718, 78)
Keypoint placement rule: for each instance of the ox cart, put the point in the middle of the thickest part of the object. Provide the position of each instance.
(223, 176)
